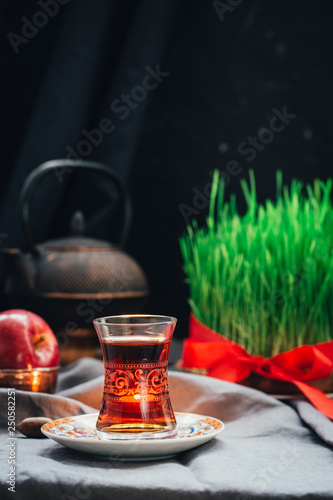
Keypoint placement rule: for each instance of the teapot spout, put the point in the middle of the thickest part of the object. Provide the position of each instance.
(20, 272)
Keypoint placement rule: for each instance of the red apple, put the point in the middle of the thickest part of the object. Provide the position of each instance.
(26, 341)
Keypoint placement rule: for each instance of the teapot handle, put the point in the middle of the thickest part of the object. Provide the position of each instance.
(35, 176)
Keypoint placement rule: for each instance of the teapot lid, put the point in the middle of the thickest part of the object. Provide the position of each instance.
(76, 241)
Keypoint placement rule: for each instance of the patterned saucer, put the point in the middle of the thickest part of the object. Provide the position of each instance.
(79, 434)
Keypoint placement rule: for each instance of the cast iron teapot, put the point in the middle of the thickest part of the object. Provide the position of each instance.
(77, 277)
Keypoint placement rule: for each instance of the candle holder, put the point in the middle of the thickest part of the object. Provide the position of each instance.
(30, 379)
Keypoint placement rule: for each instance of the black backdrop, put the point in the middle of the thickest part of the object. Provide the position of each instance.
(223, 71)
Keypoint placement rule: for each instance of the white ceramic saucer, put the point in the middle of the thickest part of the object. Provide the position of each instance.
(79, 434)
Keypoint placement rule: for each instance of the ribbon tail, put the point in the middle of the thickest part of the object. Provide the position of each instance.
(322, 402)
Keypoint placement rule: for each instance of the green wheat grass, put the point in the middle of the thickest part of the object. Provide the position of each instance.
(265, 279)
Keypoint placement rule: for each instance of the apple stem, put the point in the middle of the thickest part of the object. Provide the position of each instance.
(41, 338)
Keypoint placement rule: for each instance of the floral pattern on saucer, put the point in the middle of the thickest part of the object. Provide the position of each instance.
(71, 427)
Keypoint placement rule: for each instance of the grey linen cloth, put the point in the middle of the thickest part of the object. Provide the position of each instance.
(269, 448)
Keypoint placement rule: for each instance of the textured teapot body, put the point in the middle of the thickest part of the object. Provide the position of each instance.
(75, 273)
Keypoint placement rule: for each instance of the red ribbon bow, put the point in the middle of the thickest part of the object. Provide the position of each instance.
(229, 361)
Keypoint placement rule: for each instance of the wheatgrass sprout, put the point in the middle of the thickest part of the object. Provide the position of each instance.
(265, 279)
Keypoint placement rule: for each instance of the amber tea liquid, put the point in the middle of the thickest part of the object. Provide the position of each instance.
(136, 395)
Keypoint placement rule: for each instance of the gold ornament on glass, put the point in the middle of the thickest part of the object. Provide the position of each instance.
(136, 401)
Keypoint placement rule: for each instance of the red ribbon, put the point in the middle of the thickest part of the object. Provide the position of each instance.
(227, 360)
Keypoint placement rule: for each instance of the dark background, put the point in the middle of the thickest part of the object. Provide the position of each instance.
(227, 72)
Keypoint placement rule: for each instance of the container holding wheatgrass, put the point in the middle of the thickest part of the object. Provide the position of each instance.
(261, 289)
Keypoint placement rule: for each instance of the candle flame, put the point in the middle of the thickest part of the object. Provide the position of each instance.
(35, 382)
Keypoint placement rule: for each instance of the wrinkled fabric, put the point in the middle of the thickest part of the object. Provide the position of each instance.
(269, 448)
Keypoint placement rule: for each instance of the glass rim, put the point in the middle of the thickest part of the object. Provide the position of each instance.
(160, 319)
(41, 369)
